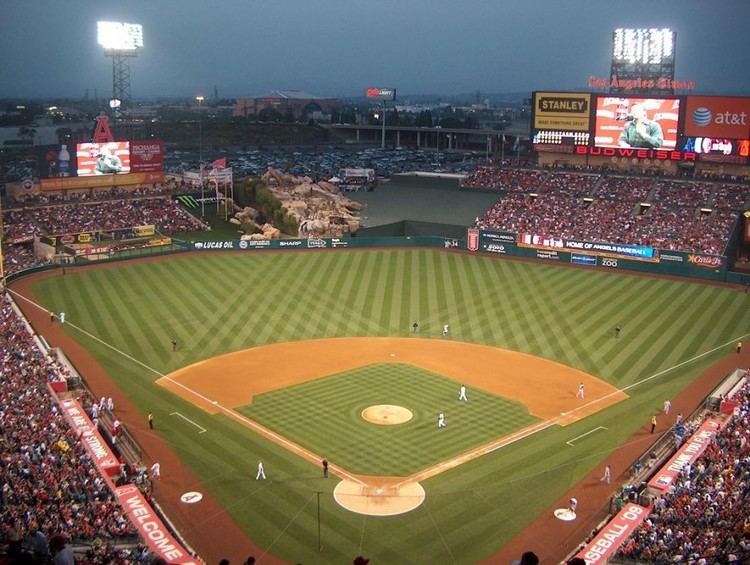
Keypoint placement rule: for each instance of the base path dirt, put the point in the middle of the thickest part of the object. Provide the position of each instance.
(545, 387)
(549, 391)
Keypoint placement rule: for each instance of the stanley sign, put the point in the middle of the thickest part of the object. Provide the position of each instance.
(566, 111)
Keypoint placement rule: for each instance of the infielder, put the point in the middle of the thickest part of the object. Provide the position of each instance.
(261, 474)
(581, 391)
(462, 393)
(441, 420)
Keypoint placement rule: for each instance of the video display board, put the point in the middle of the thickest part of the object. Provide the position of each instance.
(716, 146)
(146, 156)
(103, 158)
(718, 117)
(562, 111)
(56, 161)
(643, 123)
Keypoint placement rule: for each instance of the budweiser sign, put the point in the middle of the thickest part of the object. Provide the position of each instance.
(473, 239)
(708, 261)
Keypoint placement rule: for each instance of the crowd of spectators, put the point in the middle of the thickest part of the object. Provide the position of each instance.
(50, 486)
(705, 518)
(690, 216)
(167, 215)
(94, 194)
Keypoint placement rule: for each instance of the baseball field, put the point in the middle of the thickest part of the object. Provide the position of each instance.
(288, 357)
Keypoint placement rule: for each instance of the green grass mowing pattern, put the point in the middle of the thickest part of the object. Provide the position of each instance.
(324, 416)
(217, 303)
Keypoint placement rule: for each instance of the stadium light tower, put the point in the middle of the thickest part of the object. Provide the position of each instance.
(646, 58)
(199, 99)
(120, 41)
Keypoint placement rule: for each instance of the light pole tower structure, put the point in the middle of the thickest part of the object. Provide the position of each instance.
(200, 99)
(121, 42)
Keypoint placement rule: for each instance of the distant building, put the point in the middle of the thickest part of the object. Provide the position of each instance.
(302, 105)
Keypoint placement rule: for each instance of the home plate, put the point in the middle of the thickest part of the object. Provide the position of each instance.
(565, 514)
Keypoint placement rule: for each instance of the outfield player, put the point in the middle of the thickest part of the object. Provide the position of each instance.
(581, 391)
(261, 474)
(445, 329)
(441, 420)
(462, 393)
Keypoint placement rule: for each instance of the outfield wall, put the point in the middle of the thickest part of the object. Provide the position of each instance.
(574, 252)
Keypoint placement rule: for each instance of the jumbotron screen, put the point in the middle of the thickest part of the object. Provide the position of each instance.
(644, 123)
(103, 158)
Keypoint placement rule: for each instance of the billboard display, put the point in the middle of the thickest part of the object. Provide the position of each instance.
(146, 156)
(717, 116)
(717, 146)
(375, 93)
(103, 158)
(119, 36)
(56, 161)
(562, 111)
(644, 123)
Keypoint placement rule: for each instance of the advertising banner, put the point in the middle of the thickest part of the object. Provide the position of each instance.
(717, 116)
(618, 249)
(747, 227)
(102, 456)
(146, 156)
(379, 93)
(688, 453)
(612, 536)
(716, 146)
(143, 231)
(56, 161)
(643, 123)
(103, 181)
(567, 111)
(578, 259)
(103, 158)
(158, 538)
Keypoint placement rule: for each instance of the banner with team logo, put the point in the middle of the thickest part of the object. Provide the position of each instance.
(151, 528)
(611, 537)
(688, 453)
(99, 451)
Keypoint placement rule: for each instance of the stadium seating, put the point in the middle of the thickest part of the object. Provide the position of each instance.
(695, 217)
(49, 481)
(706, 517)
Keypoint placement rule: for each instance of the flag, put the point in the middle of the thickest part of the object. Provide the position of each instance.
(220, 163)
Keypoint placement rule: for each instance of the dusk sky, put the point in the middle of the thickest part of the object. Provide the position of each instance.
(337, 47)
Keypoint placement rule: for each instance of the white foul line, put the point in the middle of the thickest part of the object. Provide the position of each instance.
(202, 429)
(570, 442)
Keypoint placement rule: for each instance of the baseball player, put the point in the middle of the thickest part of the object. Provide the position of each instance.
(445, 329)
(462, 393)
(573, 504)
(607, 477)
(110, 404)
(62, 320)
(667, 407)
(261, 474)
(581, 391)
(441, 420)
(155, 471)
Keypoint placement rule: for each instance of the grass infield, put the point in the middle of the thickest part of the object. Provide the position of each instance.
(324, 416)
(217, 303)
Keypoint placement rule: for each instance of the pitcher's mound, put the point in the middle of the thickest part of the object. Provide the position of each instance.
(387, 414)
(379, 498)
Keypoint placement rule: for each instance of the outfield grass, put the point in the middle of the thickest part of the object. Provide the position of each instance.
(324, 416)
(217, 303)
